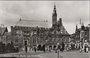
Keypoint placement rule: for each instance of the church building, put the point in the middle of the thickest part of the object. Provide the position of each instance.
(57, 33)
(39, 34)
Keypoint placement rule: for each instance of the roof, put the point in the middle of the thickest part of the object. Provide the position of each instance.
(32, 23)
(61, 30)
(2, 30)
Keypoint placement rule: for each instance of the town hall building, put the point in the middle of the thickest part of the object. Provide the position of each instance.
(41, 35)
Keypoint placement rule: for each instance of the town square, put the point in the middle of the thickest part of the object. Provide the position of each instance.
(44, 29)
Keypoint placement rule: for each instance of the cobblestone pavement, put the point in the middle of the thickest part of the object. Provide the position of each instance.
(71, 54)
(40, 54)
(30, 54)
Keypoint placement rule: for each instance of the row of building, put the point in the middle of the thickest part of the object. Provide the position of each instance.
(81, 33)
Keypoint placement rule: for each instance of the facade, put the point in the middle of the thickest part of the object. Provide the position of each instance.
(3, 34)
(81, 34)
(57, 33)
(31, 34)
(38, 35)
(6, 44)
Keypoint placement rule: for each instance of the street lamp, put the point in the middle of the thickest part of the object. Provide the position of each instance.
(37, 35)
(89, 32)
(58, 50)
(25, 45)
(82, 37)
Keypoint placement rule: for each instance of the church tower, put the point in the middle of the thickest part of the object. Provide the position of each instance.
(76, 29)
(54, 17)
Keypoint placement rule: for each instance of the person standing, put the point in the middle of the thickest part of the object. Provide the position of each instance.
(81, 47)
(43, 48)
(63, 45)
(35, 49)
(86, 45)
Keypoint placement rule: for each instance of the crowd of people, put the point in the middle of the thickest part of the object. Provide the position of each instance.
(64, 47)
(45, 48)
(60, 47)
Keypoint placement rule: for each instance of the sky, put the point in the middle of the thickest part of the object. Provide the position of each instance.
(70, 11)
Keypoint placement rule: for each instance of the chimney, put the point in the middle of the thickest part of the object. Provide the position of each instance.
(60, 21)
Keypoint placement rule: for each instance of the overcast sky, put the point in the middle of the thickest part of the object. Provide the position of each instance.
(69, 11)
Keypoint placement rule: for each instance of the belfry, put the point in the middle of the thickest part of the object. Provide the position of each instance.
(54, 16)
(58, 30)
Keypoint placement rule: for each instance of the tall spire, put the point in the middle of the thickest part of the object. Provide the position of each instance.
(54, 10)
(76, 27)
(54, 6)
(54, 16)
(82, 26)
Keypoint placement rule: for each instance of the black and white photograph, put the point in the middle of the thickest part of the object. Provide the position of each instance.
(44, 29)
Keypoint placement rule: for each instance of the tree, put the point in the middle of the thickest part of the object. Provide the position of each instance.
(10, 47)
(2, 47)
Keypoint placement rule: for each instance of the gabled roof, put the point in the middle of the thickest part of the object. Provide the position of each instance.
(61, 30)
(32, 23)
(3, 30)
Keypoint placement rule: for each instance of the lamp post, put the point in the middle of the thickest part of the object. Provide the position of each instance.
(25, 46)
(89, 33)
(81, 39)
(57, 50)
(37, 35)
(82, 33)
